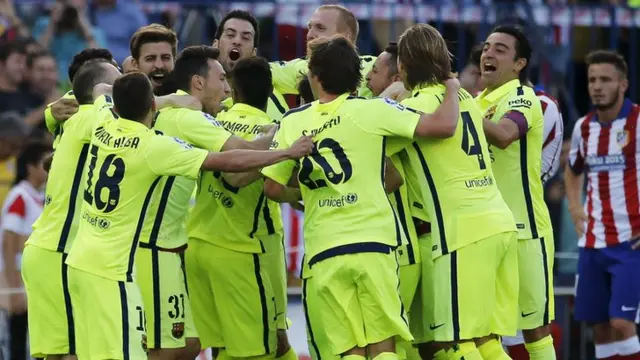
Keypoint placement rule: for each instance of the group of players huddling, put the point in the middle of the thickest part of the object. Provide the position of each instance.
(426, 232)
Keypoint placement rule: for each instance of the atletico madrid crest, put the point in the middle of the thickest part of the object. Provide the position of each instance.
(622, 138)
(178, 330)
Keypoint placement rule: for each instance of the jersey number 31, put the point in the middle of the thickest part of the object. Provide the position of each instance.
(108, 179)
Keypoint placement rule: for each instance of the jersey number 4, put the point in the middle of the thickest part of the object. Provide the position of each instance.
(108, 179)
(472, 148)
(330, 174)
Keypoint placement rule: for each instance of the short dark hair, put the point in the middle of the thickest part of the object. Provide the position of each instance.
(475, 55)
(8, 48)
(336, 63)
(133, 96)
(523, 46)
(32, 154)
(31, 58)
(252, 82)
(153, 33)
(89, 75)
(88, 55)
(424, 55)
(193, 60)
(608, 57)
(392, 48)
(242, 15)
(304, 89)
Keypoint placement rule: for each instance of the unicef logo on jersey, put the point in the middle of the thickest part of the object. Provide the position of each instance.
(104, 224)
(227, 202)
(394, 103)
(344, 200)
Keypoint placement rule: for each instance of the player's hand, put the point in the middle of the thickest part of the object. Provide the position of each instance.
(579, 218)
(102, 89)
(63, 109)
(452, 83)
(395, 91)
(302, 147)
(269, 130)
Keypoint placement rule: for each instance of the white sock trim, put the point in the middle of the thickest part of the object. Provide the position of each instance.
(606, 350)
(629, 346)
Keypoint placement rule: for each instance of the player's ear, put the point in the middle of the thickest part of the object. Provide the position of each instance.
(254, 52)
(154, 108)
(624, 84)
(520, 64)
(215, 43)
(396, 77)
(196, 82)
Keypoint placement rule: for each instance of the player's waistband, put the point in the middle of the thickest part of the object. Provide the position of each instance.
(356, 248)
(422, 227)
(158, 248)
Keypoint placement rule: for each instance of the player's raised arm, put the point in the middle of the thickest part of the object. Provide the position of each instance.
(511, 127)
(443, 122)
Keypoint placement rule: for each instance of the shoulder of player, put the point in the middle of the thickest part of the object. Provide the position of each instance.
(296, 111)
(523, 97)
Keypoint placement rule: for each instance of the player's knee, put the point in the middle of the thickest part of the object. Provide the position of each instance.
(384, 346)
(536, 334)
(355, 351)
(191, 349)
(623, 328)
(603, 333)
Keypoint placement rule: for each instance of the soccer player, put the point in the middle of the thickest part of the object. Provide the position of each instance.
(237, 37)
(470, 77)
(126, 161)
(326, 21)
(604, 146)
(350, 226)
(474, 235)
(514, 127)
(153, 49)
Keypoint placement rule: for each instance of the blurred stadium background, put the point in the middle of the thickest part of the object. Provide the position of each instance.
(562, 32)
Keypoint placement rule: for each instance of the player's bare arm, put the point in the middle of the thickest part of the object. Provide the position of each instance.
(249, 160)
(511, 127)
(392, 178)
(573, 184)
(443, 122)
(280, 193)
(396, 91)
(63, 109)
(261, 143)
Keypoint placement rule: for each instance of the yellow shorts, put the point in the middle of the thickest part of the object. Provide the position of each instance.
(476, 290)
(317, 340)
(232, 300)
(358, 300)
(275, 265)
(110, 321)
(535, 266)
(50, 321)
(161, 279)
(421, 310)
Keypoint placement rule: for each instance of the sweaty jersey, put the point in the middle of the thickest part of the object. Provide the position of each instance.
(276, 107)
(57, 226)
(342, 181)
(230, 217)
(287, 74)
(553, 131)
(459, 189)
(168, 209)
(517, 168)
(126, 162)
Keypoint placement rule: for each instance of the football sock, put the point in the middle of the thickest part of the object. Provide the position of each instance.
(542, 349)
(493, 350)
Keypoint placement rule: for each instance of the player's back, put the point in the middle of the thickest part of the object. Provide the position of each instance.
(126, 162)
(57, 226)
(464, 201)
(276, 106)
(342, 181)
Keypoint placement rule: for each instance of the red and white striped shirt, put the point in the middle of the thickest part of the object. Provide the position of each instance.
(553, 130)
(609, 154)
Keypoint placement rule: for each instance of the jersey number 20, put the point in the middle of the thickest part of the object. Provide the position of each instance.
(469, 130)
(306, 169)
(110, 182)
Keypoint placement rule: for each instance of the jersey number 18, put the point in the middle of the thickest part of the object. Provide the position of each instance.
(110, 182)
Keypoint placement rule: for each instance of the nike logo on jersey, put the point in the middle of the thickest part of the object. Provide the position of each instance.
(625, 308)
(433, 326)
(527, 314)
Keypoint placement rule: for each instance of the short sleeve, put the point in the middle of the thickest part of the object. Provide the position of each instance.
(576, 154)
(14, 217)
(286, 75)
(102, 111)
(386, 117)
(167, 155)
(203, 130)
(520, 109)
(280, 172)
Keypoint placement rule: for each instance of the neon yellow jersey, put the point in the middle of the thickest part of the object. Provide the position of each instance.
(287, 74)
(409, 253)
(169, 207)
(127, 160)
(51, 123)
(56, 228)
(276, 107)
(517, 168)
(342, 181)
(244, 213)
(462, 198)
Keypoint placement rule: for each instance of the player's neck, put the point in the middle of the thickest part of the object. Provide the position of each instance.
(35, 183)
(324, 97)
(499, 84)
(610, 114)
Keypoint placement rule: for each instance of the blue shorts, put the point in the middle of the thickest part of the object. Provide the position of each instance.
(608, 284)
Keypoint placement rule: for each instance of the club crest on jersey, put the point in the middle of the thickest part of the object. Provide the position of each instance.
(622, 138)
(394, 103)
(490, 112)
(178, 330)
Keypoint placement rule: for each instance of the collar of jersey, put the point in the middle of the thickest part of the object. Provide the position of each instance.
(130, 124)
(498, 93)
(85, 107)
(247, 109)
(331, 106)
(428, 89)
